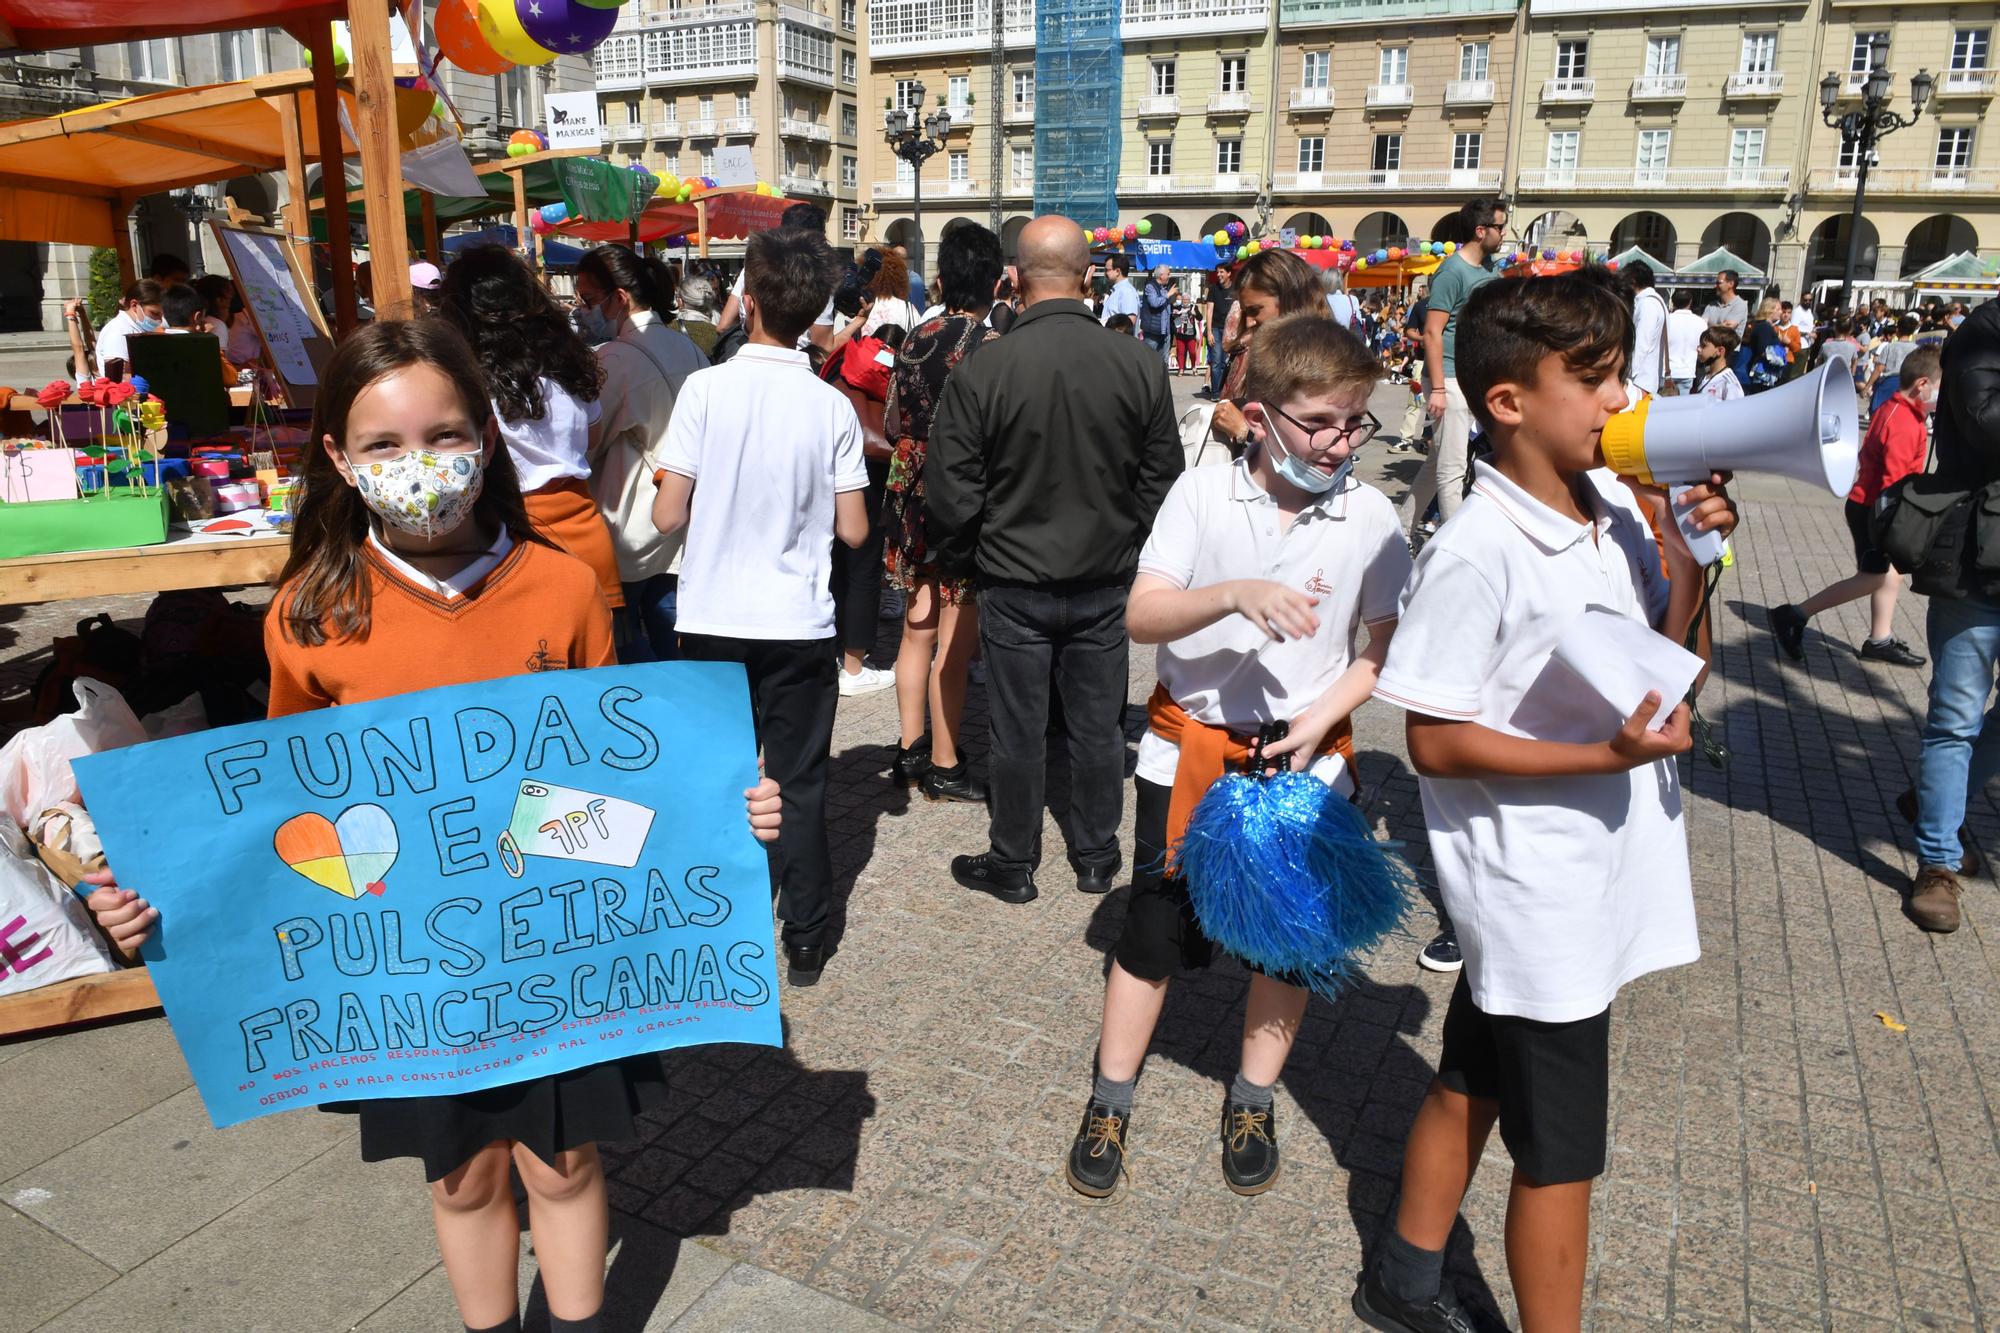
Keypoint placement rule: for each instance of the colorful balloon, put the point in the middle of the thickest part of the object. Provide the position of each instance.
(1451, 247)
(460, 41)
(1131, 231)
(1252, 248)
(1238, 231)
(556, 212)
(1220, 238)
(1145, 227)
(500, 25)
(564, 26)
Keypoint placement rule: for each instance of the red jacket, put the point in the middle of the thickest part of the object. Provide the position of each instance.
(1896, 447)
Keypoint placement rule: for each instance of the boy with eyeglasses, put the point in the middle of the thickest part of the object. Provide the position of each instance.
(1256, 577)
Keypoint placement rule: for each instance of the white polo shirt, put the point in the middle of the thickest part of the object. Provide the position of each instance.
(1562, 889)
(1217, 524)
(768, 445)
(554, 446)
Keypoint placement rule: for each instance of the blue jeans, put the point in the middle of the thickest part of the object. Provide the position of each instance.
(1961, 745)
(1163, 343)
(1218, 366)
(643, 628)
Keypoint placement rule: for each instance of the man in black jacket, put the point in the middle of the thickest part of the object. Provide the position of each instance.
(1051, 451)
(1961, 747)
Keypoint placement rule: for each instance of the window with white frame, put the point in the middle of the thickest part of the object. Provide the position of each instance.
(1228, 156)
(1573, 58)
(1847, 159)
(1235, 74)
(743, 104)
(1315, 70)
(1023, 167)
(806, 49)
(847, 67)
(239, 54)
(1474, 59)
(1160, 158)
(1746, 153)
(151, 61)
(1954, 152)
(705, 106)
(909, 95)
(1388, 153)
(1563, 145)
(1024, 90)
(617, 57)
(847, 15)
(1392, 64)
(850, 224)
(850, 171)
(1663, 55)
(1760, 53)
(1312, 154)
(1465, 151)
(958, 90)
(1968, 49)
(906, 173)
(708, 161)
(687, 48)
(674, 163)
(958, 166)
(1654, 146)
(848, 121)
(1163, 78)
(1859, 56)
(633, 114)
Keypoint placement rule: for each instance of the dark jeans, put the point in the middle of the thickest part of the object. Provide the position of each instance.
(792, 695)
(1218, 364)
(857, 572)
(1163, 344)
(644, 626)
(1078, 634)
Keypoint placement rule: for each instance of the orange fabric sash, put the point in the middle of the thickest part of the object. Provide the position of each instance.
(1207, 753)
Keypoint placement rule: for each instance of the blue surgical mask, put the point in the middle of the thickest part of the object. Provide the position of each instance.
(592, 325)
(146, 325)
(1302, 474)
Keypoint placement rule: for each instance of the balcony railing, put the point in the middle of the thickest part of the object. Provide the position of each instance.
(1729, 180)
(1966, 83)
(1150, 107)
(805, 17)
(630, 131)
(701, 128)
(1336, 182)
(1229, 104)
(1176, 18)
(1310, 99)
(895, 191)
(804, 73)
(1209, 183)
(796, 185)
(905, 27)
(1391, 95)
(1301, 13)
(1020, 112)
(739, 125)
(1570, 90)
(632, 18)
(619, 82)
(791, 127)
(1919, 180)
(1659, 87)
(1755, 83)
(961, 115)
(666, 129)
(1469, 92)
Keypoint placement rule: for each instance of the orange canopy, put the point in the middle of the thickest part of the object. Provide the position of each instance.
(42, 25)
(730, 217)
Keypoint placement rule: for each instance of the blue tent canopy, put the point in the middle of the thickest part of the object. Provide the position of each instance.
(555, 254)
(1186, 255)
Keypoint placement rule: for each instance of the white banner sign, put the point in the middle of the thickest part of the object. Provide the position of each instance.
(573, 120)
(734, 167)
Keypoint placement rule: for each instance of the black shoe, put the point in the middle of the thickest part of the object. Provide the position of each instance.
(1097, 1157)
(1442, 953)
(1788, 627)
(1095, 879)
(1207, 396)
(911, 764)
(1970, 861)
(1249, 1147)
(804, 963)
(1893, 651)
(953, 784)
(979, 872)
(1378, 1309)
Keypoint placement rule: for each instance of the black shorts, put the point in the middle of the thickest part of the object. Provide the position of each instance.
(1161, 935)
(1552, 1080)
(1867, 560)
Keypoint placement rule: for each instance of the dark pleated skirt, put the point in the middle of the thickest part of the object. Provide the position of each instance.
(546, 1115)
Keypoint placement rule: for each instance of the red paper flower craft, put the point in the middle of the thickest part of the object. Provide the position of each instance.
(53, 394)
(117, 394)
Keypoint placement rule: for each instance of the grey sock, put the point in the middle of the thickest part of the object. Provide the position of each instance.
(1114, 1094)
(1412, 1275)
(1251, 1094)
(587, 1324)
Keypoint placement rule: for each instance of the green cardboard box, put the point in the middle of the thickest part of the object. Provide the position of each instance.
(102, 522)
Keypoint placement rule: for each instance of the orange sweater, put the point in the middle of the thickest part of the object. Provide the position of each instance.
(538, 610)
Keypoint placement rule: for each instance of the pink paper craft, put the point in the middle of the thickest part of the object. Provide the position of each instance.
(37, 474)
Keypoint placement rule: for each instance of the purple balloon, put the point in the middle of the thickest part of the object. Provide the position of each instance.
(564, 26)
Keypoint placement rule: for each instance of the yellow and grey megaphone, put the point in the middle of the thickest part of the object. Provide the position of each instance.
(1808, 430)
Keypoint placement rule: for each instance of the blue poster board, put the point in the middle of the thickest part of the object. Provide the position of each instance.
(453, 889)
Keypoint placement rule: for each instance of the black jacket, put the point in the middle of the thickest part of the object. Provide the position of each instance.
(1967, 422)
(1050, 453)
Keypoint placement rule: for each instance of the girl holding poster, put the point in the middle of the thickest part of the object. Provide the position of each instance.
(414, 564)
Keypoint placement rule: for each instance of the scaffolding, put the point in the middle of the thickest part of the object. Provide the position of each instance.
(1078, 61)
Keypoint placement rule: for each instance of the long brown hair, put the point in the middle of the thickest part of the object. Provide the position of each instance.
(324, 592)
(892, 280)
(1282, 274)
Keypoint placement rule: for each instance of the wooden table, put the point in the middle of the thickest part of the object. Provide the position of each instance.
(184, 560)
(239, 396)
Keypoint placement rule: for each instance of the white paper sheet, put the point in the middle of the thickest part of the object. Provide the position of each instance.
(1623, 659)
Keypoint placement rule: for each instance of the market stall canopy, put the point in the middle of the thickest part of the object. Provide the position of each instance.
(730, 217)
(554, 253)
(1389, 273)
(1633, 254)
(1964, 271)
(1718, 259)
(72, 177)
(538, 180)
(45, 25)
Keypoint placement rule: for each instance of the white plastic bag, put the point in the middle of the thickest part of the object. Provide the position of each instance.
(34, 766)
(45, 930)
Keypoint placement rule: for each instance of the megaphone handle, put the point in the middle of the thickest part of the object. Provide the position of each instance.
(1706, 547)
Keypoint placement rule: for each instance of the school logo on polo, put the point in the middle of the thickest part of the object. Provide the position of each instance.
(1317, 584)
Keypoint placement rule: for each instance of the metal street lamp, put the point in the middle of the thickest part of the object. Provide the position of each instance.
(1862, 129)
(915, 138)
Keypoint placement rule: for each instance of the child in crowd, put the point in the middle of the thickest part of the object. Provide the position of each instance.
(1898, 444)
(763, 467)
(1555, 822)
(1255, 579)
(138, 312)
(413, 565)
(1714, 376)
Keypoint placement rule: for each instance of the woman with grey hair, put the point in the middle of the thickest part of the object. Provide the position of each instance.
(697, 311)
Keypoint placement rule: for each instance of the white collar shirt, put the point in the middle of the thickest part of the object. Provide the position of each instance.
(1562, 889)
(457, 585)
(1649, 334)
(1684, 330)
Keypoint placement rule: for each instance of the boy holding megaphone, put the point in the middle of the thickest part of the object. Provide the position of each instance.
(1555, 818)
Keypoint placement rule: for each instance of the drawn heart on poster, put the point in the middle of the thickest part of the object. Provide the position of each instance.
(350, 855)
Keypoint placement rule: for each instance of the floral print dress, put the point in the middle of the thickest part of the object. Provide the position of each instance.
(923, 365)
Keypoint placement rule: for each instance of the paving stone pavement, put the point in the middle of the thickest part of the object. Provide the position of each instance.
(1780, 1157)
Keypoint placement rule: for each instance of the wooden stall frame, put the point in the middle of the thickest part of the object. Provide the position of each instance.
(319, 350)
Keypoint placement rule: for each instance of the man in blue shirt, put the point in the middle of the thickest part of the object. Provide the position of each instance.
(1120, 296)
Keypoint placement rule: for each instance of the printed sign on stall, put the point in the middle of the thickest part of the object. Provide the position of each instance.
(573, 121)
(453, 889)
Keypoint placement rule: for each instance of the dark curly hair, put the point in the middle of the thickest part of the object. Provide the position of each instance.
(517, 331)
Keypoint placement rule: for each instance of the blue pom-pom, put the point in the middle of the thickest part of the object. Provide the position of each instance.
(139, 386)
(1285, 873)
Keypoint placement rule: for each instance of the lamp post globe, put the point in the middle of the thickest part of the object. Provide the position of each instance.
(1864, 127)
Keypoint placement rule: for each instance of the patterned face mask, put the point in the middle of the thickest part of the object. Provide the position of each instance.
(424, 493)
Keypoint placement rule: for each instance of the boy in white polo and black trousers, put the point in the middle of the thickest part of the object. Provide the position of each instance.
(1555, 823)
(1255, 581)
(762, 465)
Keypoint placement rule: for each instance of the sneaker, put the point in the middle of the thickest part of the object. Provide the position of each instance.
(1097, 1155)
(1970, 861)
(1441, 954)
(1377, 1308)
(1249, 1147)
(1934, 895)
(981, 874)
(1893, 651)
(868, 680)
(1788, 627)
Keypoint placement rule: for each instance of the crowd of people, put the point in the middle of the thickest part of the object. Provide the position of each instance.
(672, 470)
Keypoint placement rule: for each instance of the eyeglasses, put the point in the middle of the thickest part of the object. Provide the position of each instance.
(1355, 433)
